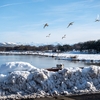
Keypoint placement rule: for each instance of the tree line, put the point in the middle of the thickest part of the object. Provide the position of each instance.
(88, 46)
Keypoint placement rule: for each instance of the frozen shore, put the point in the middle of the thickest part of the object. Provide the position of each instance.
(23, 79)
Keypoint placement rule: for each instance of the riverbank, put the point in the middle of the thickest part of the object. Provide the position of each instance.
(70, 56)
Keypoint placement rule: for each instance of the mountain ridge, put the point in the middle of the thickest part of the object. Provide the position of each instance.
(12, 44)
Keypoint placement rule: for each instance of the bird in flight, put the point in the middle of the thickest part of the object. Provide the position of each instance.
(64, 36)
(97, 19)
(71, 23)
(45, 25)
(48, 35)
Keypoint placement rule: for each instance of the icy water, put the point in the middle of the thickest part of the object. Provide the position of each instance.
(39, 61)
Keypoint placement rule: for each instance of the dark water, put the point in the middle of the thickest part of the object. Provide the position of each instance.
(39, 61)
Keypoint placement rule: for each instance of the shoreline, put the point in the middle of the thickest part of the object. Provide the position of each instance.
(88, 96)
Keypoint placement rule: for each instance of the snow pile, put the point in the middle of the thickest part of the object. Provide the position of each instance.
(25, 79)
(15, 66)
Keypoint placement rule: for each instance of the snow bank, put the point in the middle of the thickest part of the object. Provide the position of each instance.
(13, 66)
(25, 79)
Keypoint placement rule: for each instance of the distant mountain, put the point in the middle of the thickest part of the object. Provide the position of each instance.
(42, 44)
(7, 44)
(11, 44)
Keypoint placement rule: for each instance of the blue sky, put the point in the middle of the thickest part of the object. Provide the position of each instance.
(23, 21)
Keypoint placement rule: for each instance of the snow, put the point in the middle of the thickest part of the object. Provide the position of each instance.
(21, 78)
(12, 44)
(13, 66)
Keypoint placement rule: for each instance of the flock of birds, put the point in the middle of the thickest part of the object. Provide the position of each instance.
(46, 25)
(71, 23)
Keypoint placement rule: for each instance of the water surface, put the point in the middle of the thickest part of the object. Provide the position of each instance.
(39, 61)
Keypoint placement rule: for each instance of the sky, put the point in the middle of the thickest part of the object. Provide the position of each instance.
(23, 20)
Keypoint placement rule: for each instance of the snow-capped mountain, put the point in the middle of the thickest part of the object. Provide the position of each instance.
(11, 44)
(42, 44)
(8, 44)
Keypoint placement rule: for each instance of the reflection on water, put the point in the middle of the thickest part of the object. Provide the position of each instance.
(39, 61)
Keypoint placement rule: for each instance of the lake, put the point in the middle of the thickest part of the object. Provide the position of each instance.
(39, 61)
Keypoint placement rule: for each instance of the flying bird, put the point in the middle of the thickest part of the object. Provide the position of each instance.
(45, 25)
(71, 23)
(48, 35)
(97, 19)
(64, 36)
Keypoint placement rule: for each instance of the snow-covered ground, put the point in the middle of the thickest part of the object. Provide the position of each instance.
(21, 78)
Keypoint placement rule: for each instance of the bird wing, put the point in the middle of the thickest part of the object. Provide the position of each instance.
(44, 26)
(98, 16)
(68, 25)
